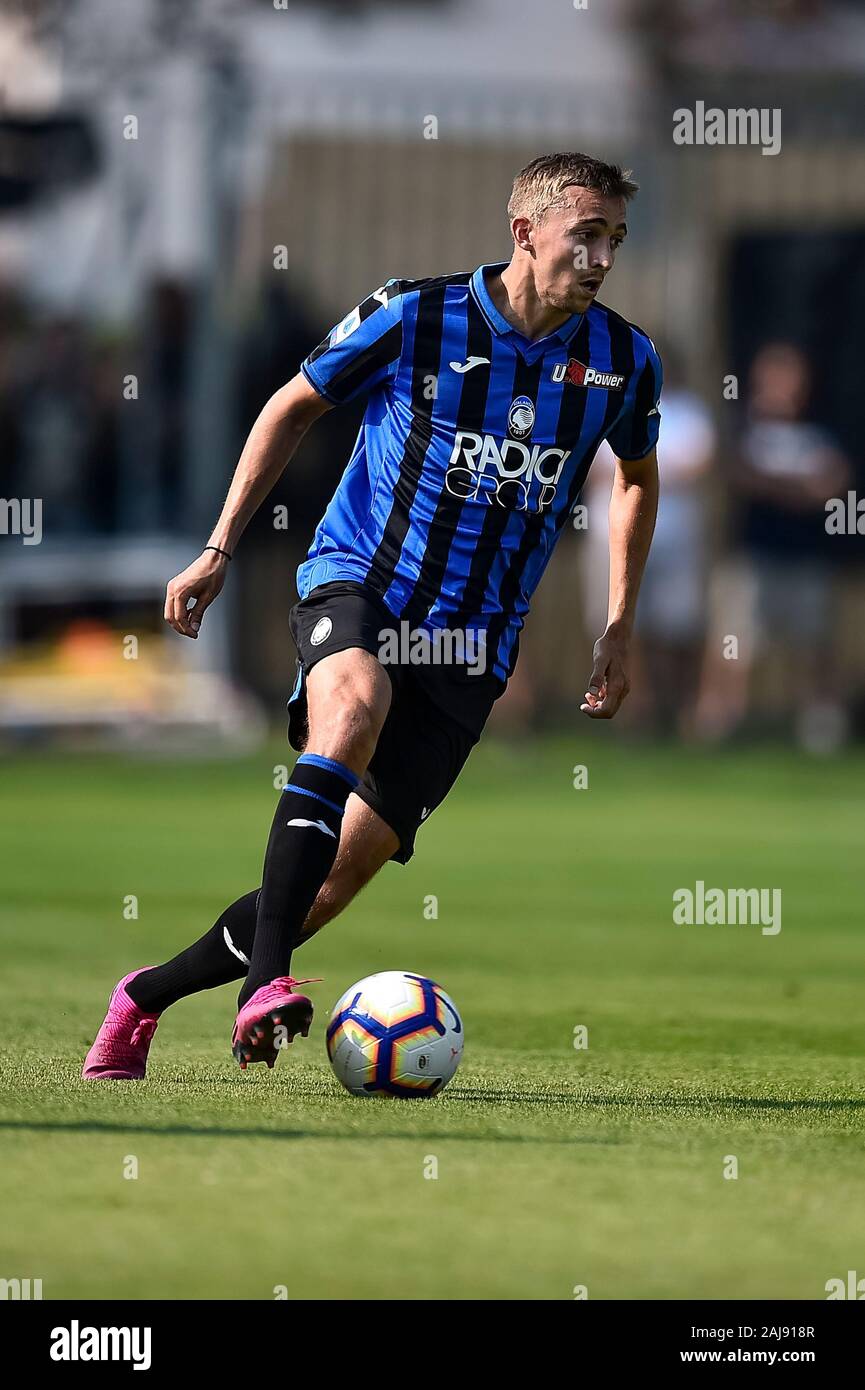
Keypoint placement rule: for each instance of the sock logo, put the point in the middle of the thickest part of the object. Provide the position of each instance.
(314, 825)
(321, 631)
(226, 936)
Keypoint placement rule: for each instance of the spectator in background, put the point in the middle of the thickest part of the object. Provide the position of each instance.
(670, 626)
(13, 324)
(59, 404)
(168, 342)
(278, 335)
(102, 475)
(53, 419)
(780, 589)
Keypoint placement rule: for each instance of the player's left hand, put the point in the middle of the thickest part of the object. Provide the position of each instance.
(608, 685)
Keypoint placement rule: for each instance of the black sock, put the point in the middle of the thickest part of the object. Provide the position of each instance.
(220, 956)
(301, 850)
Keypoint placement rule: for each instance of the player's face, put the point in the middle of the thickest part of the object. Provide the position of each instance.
(575, 247)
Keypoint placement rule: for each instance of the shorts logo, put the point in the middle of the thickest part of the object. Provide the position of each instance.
(580, 375)
(521, 417)
(321, 632)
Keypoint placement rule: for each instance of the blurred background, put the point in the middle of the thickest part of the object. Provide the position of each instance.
(193, 191)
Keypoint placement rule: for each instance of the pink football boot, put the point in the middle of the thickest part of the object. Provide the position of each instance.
(272, 1006)
(123, 1042)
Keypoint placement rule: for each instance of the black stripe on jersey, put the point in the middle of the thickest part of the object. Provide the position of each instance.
(470, 415)
(568, 432)
(322, 347)
(571, 414)
(622, 363)
(425, 362)
(431, 282)
(381, 353)
(526, 382)
(643, 402)
(395, 287)
(510, 586)
(574, 399)
(365, 308)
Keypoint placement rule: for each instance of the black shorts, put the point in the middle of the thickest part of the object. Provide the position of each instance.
(436, 716)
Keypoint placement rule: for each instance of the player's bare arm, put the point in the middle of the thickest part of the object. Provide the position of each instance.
(272, 441)
(633, 509)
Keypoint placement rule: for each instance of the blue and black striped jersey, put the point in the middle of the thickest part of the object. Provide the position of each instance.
(473, 450)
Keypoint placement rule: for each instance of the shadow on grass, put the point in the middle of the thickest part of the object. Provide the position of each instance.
(704, 1106)
(216, 1132)
(702, 1103)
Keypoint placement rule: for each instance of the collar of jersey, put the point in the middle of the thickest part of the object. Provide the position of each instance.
(529, 347)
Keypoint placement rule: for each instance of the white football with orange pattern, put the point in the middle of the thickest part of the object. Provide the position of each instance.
(395, 1034)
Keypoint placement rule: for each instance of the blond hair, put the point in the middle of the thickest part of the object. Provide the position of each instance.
(541, 184)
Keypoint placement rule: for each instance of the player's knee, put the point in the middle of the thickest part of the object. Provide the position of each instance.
(348, 696)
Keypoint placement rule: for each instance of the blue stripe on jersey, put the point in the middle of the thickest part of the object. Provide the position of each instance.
(450, 506)
(596, 406)
(599, 353)
(624, 438)
(548, 404)
(473, 518)
(398, 424)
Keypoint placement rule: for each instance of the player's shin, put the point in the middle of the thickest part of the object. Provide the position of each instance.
(220, 956)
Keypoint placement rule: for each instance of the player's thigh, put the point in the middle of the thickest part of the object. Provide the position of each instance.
(348, 697)
(436, 720)
(365, 844)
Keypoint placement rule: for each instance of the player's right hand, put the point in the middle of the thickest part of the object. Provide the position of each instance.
(201, 581)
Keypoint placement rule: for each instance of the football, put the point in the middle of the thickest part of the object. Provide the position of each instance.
(395, 1034)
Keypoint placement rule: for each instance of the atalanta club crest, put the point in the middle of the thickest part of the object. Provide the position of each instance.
(578, 374)
(521, 417)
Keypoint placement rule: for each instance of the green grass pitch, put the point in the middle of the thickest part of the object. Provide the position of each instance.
(557, 1168)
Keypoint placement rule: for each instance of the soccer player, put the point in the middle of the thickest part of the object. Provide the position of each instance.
(488, 394)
